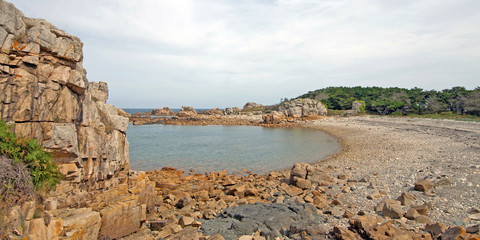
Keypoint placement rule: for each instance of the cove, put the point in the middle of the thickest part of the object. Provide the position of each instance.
(234, 148)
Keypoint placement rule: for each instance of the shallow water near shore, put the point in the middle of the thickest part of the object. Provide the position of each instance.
(234, 148)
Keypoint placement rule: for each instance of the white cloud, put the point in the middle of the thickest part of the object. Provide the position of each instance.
(223, 53)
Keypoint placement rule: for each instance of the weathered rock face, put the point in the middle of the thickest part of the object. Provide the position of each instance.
(45, 92)
(299, 108)
(163, 112)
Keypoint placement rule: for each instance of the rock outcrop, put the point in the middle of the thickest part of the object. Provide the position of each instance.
(45, 93)
(232, 111)
(302, 107)
(163, 112)
(252, 106)
(186, 112)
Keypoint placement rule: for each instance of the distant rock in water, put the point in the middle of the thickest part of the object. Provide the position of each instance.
(163, 112)
(213, 112)
(187, 112)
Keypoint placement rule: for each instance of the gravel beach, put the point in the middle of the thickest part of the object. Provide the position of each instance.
(388, 155)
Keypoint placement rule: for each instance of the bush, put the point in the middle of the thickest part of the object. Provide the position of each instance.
(44, 172)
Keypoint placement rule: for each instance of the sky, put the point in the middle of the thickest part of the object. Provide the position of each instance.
(224, 53)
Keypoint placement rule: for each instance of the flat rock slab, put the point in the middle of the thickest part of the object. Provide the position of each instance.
(273, 220)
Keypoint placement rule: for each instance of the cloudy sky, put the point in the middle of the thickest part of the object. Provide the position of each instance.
(220, 53)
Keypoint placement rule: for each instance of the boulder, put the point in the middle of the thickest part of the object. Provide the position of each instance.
(300, 108)
(162, 112)
(423, 185)
(251, 106)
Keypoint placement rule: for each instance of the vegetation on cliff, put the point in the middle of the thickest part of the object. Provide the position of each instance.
(44, 174)
(401, 101)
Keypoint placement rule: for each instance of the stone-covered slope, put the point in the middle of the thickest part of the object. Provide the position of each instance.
(45, 92)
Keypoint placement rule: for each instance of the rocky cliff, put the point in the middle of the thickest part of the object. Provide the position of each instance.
(45, 93)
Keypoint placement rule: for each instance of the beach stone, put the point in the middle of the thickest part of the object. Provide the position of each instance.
(188, 233)
(302, 183)
(374, 195)
(454, 233)
(443, 182)
(412, 214)
(344, 233)
(423, 185)
(421, 209)
(423, 219)
(380, 205)
(392, 210)
(407, 199)
(216, 236)
(185, 221)
(364, 222)
(473, 228)
(320, 202)
(435, 229)
(157, 225)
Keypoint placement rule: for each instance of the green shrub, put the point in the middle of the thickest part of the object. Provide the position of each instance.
(44, 172)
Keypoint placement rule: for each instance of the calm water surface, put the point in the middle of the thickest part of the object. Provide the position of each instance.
(215, 148)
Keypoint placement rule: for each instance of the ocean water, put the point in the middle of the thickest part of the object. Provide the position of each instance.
(142, 110)
(234, 148)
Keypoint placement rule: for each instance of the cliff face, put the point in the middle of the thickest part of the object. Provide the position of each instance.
(45, 92)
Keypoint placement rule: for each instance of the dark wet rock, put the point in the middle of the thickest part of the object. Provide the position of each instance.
(273, 220)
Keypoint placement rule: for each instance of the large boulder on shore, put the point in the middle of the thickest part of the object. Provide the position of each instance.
(302, 107)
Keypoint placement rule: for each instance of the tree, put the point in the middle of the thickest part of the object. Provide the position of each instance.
(472, 103)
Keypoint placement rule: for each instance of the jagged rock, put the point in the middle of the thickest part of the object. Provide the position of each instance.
(299, 108)
(436, 229)
(407, 199)
(274, 118)
(421, 209)
(163, 112)
(423, 185)
(392, 210)
(454, 233)
(411, 214)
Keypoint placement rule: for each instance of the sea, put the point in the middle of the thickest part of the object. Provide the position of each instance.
(233, 148)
